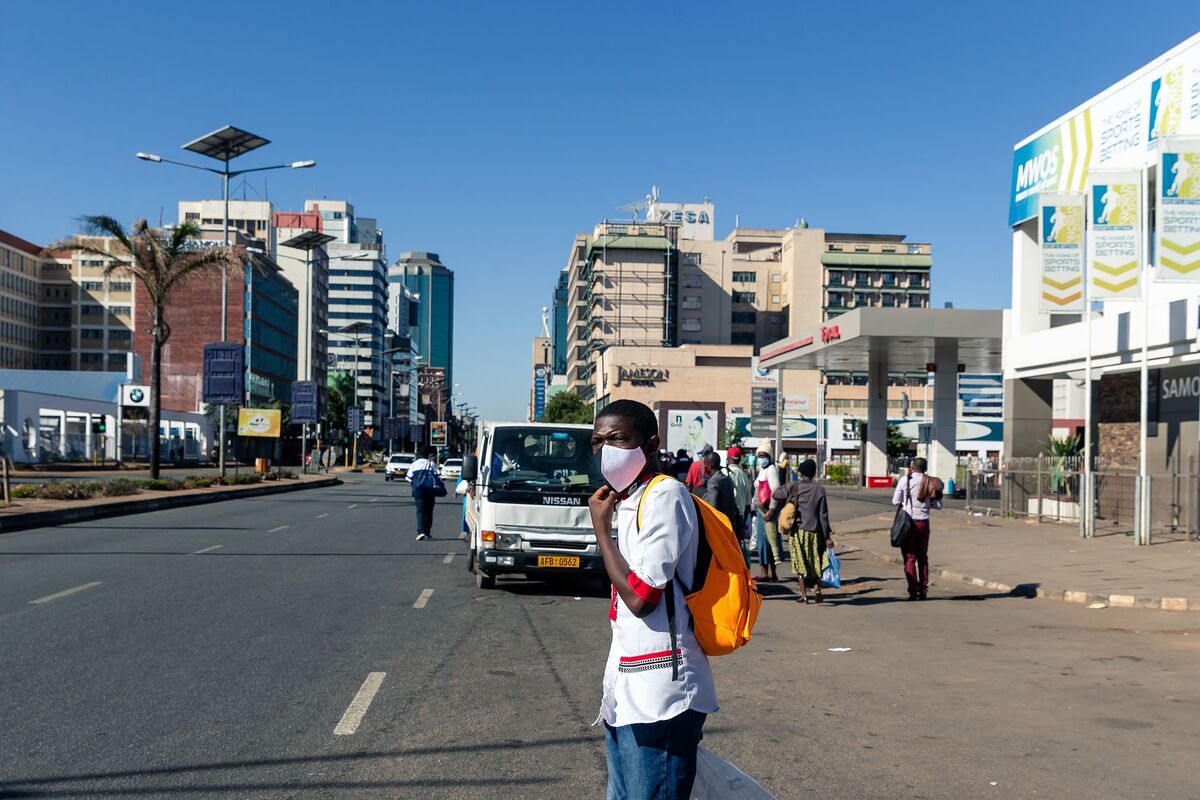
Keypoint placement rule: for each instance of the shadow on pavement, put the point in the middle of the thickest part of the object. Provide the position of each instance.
(561, 587)
(31, 787)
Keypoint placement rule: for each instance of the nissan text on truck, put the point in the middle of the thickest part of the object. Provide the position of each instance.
(528, 513)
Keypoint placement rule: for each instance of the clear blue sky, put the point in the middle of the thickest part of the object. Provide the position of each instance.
(492, 132)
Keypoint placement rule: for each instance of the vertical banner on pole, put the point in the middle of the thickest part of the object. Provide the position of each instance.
(1114, 235)
(1177, 238)
(1060, 234)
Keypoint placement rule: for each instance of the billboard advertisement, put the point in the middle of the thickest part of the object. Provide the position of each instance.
(437, 434)
(539, 391)
(1114, 234)
(762, 377)
(1177, 235)
(1060, 237)
(691, 429)
(259, 422)
(1119, 128)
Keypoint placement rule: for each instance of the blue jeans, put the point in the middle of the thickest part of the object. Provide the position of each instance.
(653, 760)
(424, 504)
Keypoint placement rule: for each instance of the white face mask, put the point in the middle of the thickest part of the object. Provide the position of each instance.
(621, 467)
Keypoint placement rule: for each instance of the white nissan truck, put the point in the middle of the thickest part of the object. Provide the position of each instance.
(527, 513)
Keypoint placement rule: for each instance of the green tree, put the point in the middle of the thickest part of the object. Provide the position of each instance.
(897, 443)
(161, 262)
(731, 436)
(567, 407)
(340, 386)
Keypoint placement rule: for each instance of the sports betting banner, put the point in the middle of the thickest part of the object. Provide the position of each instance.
(1177, 238)
(1114, 234)
(1060, 237)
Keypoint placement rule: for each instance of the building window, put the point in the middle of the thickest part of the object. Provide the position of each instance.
(191, 215)
(742, 337)
(120, 286)
(91, 358)
(90, 309)
(120, 335)
(744, 297)
(91, 333)
(775, 277)
(691, 259)
(92, 286)
(690, 325)
(745, 277)
(889, 279)
(121, 310)
(691, 280)
(691, 302)
(774, 298)
(743, 317)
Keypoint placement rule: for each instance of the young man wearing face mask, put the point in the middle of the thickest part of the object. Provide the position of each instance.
(655, 699)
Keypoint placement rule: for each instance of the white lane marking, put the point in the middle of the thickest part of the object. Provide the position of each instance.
(322, 516)
(208, 549)
(281, 527)
(424, 598)
(449, 557)
(352, 505)
(358, 706)
(66, 592)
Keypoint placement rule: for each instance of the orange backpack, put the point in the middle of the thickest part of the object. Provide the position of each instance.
(723, 600)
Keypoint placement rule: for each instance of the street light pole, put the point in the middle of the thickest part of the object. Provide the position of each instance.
(224, 145)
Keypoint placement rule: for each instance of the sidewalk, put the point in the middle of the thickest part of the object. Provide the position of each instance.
(1046, 560)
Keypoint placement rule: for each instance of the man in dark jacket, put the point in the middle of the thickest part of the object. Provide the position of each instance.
(718, 489)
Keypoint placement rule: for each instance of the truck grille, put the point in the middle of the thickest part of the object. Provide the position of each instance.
(558, 545)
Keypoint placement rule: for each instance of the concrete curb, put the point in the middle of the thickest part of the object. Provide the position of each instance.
(85, 513)
(1034, 589)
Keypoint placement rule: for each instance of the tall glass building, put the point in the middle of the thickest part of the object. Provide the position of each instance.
(433, 282)
(561, 293)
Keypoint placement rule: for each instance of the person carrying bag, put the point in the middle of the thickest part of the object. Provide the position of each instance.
(916, 494)
(427, 486)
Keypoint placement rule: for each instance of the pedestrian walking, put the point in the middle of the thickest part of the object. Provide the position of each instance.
(810, 538)
(917, 493)
(425, 483)
(743, 493)
(683, 463)
(770, 547)
(658, 687)
(695, 475)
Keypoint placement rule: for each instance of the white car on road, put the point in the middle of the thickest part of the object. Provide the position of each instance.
(397, 465)
(452, 469)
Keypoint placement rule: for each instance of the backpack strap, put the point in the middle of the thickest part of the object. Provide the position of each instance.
(670, 589)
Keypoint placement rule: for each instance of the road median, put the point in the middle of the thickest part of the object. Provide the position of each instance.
(46, 513)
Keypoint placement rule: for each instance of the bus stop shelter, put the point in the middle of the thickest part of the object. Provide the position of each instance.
(945, 341)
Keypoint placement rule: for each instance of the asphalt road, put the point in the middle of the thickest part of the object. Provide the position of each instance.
(304, 645)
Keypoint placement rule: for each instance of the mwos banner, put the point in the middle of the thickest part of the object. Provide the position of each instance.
(1060, 233)
(1114, 234)
(259, 422)
(1177, 244)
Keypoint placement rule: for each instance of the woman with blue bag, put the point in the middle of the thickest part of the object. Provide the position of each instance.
(427, 486)
(811, 539)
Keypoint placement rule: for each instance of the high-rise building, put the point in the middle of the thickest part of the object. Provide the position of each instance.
(251, 217)
(404, 357)
(358, 301)
(433, 282)
(20, 264)
(559, 333)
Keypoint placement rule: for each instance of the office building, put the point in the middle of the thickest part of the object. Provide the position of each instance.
(433, 282)
(358, 301)
(20, 265)
(562, 291)
(404, 357)
(86, 319)
(253, 218)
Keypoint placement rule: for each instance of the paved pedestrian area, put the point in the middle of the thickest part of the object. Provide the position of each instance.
(1047, 559)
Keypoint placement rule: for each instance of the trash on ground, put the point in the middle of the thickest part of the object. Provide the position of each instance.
(717, 779)
(1098, 605)
(839, 649)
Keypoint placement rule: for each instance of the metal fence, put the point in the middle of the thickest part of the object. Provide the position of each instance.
(1052, 489)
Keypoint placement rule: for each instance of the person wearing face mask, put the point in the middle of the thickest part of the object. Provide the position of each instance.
(770, 548)
(656, 696)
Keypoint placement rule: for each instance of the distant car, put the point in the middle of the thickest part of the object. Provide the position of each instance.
(397, 465)
(452, 469)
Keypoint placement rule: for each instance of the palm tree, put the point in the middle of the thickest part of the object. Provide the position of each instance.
(161, 262)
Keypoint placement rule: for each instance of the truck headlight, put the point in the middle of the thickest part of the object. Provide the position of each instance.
(508, 541)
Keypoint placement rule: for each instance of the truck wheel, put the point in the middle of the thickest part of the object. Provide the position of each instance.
(483, 580)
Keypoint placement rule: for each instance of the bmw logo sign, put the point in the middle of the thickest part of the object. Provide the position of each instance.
(136, 395)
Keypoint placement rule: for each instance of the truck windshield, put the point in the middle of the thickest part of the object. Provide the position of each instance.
(543, 458)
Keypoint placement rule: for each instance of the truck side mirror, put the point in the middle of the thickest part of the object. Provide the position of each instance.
(470, 469)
